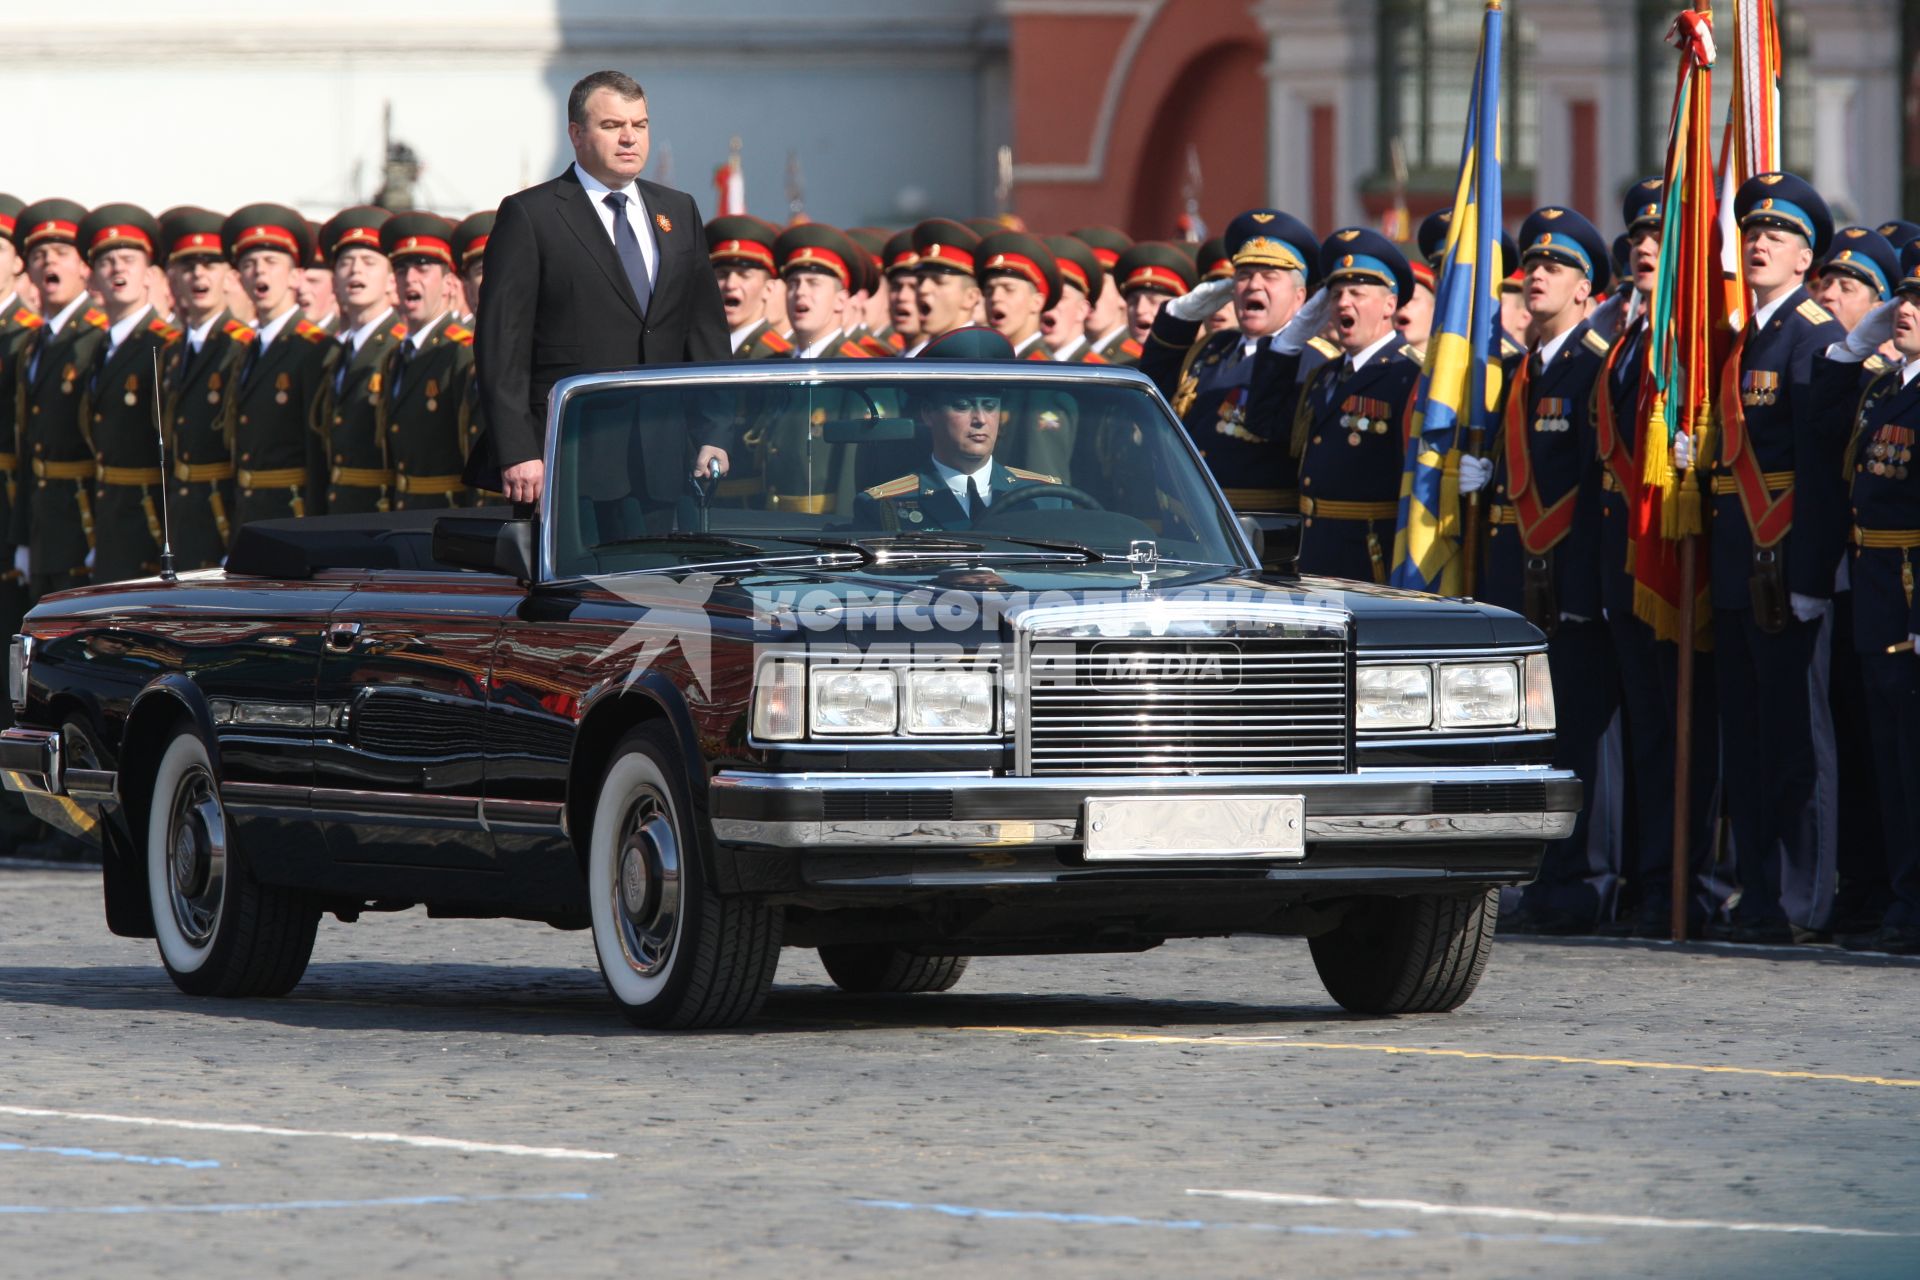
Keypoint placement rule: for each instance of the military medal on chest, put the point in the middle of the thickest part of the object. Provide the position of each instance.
(1759, 387)
(1233, 414)
(67, 375)
(1360, 415)
(433, 395)
(1890, 452)
(213, 387)
(281, 381)
(1551, 416)
(133, 390)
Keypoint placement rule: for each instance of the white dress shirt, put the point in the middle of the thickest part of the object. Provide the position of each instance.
(1359, 361)
(636, 210)
(271, 329)
(354, 339)
(56, 323)
(416, 339)
(814, 352)
(1551, 347)
(197, 334)
(957, 482)
(118, 331)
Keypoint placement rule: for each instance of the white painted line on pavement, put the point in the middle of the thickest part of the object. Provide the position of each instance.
(399, 1139)
(286, 1206)
(1299, 1200)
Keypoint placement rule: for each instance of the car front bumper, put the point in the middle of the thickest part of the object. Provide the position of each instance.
(33, 762)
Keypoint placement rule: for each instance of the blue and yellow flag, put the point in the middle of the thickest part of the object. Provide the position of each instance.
(1460, 384)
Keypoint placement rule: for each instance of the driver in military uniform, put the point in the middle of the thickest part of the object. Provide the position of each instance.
(961, 482)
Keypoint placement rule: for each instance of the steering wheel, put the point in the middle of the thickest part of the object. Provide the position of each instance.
(1032, 489)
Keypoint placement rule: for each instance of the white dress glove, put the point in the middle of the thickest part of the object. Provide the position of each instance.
(1474, 473)
(1683, 452)
(90, 555)
(1874, 328)
(1306, 322)
(1914, 645)
(1574, 617)
(22, 562)
(1201, 301)
(1806, 608)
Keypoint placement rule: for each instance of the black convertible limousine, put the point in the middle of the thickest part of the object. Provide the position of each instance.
(961, 659)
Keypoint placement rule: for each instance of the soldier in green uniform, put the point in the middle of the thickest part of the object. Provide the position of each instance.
(356, 475)
(17, 323)
(284, 370)
(470, 251)
(53, 511)
(201, 372)
(872, 329)
(741, 250)
(118, 415)
(1150, 274)
(1107, 322)
(1064, 326)
(803, 472)
(943, 275)
(819, 265)
(1021, 282)
(425, 402)
(313, 287)
(903, 293)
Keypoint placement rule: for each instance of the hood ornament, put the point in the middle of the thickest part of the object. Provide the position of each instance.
(1143, 557)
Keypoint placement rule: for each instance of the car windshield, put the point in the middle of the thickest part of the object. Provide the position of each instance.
(979, 464)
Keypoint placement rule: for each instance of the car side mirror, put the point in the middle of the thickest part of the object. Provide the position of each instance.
(489, 544)
(1276, 539)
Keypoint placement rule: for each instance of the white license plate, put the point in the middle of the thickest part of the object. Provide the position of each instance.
(1139, 829)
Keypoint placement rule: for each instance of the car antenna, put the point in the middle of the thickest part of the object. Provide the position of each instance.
(160, 436)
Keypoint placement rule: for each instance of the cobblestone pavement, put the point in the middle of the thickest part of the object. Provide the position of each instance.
(455, 1098)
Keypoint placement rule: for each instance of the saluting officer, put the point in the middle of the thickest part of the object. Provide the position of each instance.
(17, 324)
(943, 273)
(1543, 551)
(470, 252)
(286, 365)
(120, 242)
(741, 250)
(53, 514)
(1649, 668)
(1881, 419)
(354, 472)
(1237, 407)
(424, 402)
(1211, 261)
(1350, 424)
(201, 371)
(1777, 537)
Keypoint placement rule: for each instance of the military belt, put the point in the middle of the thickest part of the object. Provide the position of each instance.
(135, 477)
(1497, 514)
(202, 472)
(273, 478)
(1262, 499)
(428, 485)
(814, 504)
(1725, 486)
(1902, 539)
(9, 461)
(63, 470)
(362, 477)
(749, 487)
(1329, 510)
(1607, 482)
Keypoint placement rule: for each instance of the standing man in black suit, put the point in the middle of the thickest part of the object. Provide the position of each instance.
(593, 270)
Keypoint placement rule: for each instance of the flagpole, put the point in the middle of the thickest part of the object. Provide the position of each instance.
(1470, 522)
(1683, 740)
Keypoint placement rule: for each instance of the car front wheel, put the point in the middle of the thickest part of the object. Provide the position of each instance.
(674, 953)
(1419, 954)
(221, 932)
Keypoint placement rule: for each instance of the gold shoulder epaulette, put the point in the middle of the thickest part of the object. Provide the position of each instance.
(1326, 347)
(96, 317)
(27, 319)
(311, 332)
(876, 347)
(1131, 349)
(1416, 354)
(1093, 357)
(167, 332)
(1510, 348)
(399, 329)
(1021, 473)
(238, 331)
(1595, 343)
(1875, 364)
(774, 342)
(896, 487)
(460, 333)
(1814, 311)
(852, 350)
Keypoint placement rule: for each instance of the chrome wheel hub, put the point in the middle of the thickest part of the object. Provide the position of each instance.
(197, 857)
(646, 884)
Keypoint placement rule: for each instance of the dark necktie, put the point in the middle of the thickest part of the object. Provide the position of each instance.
(407, 350)
(976, 504)
(627, 244)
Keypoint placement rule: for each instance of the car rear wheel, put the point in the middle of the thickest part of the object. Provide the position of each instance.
(674, 953)
(1419, 954)
(877, 969)
(221, 932)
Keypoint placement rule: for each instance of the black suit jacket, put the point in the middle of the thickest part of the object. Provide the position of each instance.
(558, 303)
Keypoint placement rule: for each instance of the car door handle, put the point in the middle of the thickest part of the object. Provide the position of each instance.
(341, 636)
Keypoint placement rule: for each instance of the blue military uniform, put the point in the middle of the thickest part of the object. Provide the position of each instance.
(1349, 429)
(1236, 405)
(922, 501)
(1543, 560)
(1649, 667)
(1776, 727)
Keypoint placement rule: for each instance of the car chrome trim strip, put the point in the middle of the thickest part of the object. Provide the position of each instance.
(1364, 829)
(461, 812)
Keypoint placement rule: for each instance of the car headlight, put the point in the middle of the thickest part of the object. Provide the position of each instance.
(780, 701)
(943, 702)
(1479, 695)
(854, 700)
(1540, 712)
(1393, 698)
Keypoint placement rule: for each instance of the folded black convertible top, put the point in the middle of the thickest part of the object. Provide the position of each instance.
(300, 548)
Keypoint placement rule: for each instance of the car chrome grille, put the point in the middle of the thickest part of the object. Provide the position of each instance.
(1189, 705)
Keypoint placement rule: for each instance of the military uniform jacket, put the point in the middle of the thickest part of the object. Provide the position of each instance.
(1119, 348)
(1770, 382)
(1237, 407)
(17, 325)
(120, 423)
(921, 500)
(273, 435)
(53, 515)
(1550, 478)
(1880, 414)
(763, 342)
(202, 406)
(427, 416)
(354, 471)
(1622, 374)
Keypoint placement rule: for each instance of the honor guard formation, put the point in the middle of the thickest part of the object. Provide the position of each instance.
(297, 369)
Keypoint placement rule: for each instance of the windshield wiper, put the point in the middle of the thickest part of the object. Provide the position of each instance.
(866, 553)
(1055, 544)
(699, 539)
